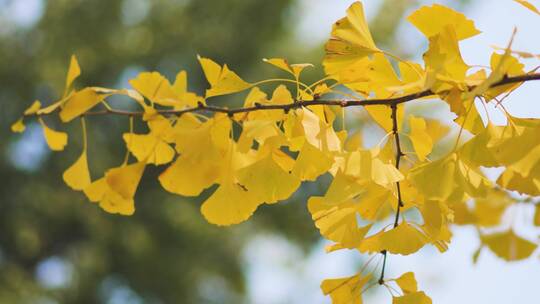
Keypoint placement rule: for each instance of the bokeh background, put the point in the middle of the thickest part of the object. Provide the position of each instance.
(55, 247)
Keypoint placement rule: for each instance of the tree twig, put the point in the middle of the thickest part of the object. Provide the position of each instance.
(399, 154)
(301, 103)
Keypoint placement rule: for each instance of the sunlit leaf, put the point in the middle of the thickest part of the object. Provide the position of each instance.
(432, 20)
(18, 126)
(74, 72)
(420, 138)
(407, 283)
(36, 105)
(412, 298)
(404, 239)
(222, 80)
(77, 176)
(124, 180)
(509, 246)
(55, 140)
(79, 103)
(345, 290)
(529, 6)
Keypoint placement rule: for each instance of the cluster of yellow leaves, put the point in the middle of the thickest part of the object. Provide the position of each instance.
(275, 150)
(350, 289)
(441, 190)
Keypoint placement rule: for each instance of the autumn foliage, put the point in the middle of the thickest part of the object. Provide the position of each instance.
(261, 153)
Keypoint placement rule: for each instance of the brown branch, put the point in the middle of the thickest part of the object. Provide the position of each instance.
(300, 103)
(399, 154)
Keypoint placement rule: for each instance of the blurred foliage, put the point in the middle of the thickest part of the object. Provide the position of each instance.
(166, 252)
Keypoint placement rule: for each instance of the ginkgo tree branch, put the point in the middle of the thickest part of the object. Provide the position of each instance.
(302, 103)
(399, 154)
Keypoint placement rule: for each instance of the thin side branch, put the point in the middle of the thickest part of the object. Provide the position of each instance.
(399, 154)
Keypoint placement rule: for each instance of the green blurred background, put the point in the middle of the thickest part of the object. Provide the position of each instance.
(55, 246)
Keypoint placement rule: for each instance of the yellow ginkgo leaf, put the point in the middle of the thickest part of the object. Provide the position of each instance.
(281, 96)
(335, 213)
(163, 153)
(384, 174)
(125, 179)
(504, 65)
(373, 201)
(382, 116)
(55, 140)
(188, 178)
(345, 290)
(230, 204)
(354, 142)
(476, 152)
(359, 164)
(514, 181)
(149, 148)
(321, 89)
(337, 223)
(343, 188)
(211, 70)
(274, 185)
(488, 211)
(433, 218)
(470, 119)
(444, 60)
(404, 239)
(155, 88)
(113, 202)
(318, 132)
(355, 28)
(180, 82)
(518, 146)
(109, 200)
(185, 98)
(96, 190)
(431, 20)
(451, 173)
(311, 163)
(77, 176)
(222, 80)
(255, 96)
(74, 71)
(350, 41)
(36, 105)
(258, 130)
(206, 142)
(529, 6)
(436, 130)
(349, 70)
(105, 92)
(52, 107)
(382, 76)
(79, 103)
(418, 297)
(442, 171)
(419, 137)
(18, 126)
(294, 69)
(509, 246)
(413, 77)
(407, 283)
